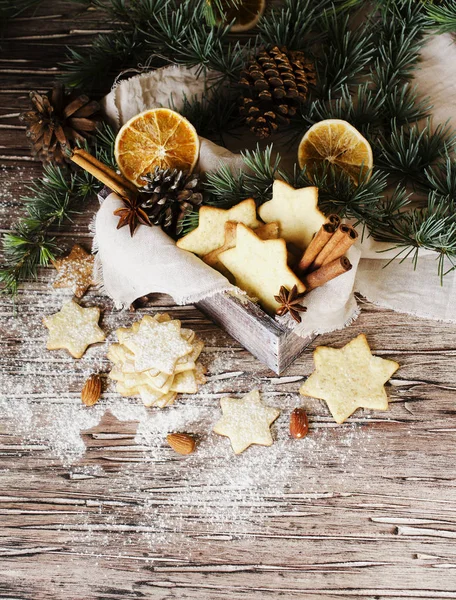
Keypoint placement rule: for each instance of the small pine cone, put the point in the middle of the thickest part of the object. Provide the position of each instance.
(274, 83)
(57, 121)
(170, 195)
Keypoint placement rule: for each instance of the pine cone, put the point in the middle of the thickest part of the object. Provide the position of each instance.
(174, 193)
(57, 121)
(275, 82)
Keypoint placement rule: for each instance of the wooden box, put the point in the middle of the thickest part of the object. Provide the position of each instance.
(273, 344)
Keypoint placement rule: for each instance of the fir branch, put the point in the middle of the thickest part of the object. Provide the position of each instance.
(262, 170)
(215, 10)
(339, 193)
(409, 151)
(442, 17)
(402, 105)
(362, 110)
(345, 54)
(432, 228)
(291, 24)
(52, 200)
(442, 177)
(214, 115)
(226, 188)
(189, 222)
(92, 67)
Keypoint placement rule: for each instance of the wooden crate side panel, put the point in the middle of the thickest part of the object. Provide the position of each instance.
(291, 346)
(248, 324)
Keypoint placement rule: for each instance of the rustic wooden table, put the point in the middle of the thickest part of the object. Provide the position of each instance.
(95, 505)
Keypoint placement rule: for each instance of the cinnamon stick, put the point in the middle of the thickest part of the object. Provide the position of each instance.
(102, 172)
(319, 241)
(119, 178)
(327, 272)
(334, 220)
(344, 237)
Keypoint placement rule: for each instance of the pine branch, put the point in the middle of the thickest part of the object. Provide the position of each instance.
(402, 105)
(409, 151)
(262, 170)
(345, 54)
(292, 24)
(52, 200)
(442, 17)
(432, 227)
(362, 110)
(442, 177)
(226, 188)
(215, 10)
(92, 67)
(214, 115)
(189, 222)
(338, 193)
(179, 34)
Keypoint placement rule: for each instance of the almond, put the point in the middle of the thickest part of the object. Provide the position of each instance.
(299, 423)
(91, 391)
(182, 443)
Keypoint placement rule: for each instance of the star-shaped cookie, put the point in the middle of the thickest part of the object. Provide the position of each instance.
(246, 421)
(349, 378)
(75, 271)
(296, 211)
(210, 233)
(260, 267)
(157, 346)
(74, 328)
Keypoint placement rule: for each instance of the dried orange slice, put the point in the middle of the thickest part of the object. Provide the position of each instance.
(156, 138)
(339, 143)
(246, 13)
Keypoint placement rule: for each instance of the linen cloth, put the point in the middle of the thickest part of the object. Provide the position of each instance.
(150, 261)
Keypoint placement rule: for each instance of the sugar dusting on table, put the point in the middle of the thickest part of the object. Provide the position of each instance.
(224, 491)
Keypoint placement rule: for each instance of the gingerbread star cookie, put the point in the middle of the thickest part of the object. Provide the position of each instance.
(296, 211)
(349, 378)
(246, 421)
(260, 267)
(74, 328)
(210, 233)
(75, 271)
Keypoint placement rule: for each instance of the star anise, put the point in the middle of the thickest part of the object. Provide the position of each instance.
(290, 302)
(131, 214)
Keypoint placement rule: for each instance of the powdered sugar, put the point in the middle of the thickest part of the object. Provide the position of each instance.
(212, 490)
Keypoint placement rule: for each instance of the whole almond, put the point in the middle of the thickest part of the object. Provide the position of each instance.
(91, 391)
(182, 443)
(299, 423)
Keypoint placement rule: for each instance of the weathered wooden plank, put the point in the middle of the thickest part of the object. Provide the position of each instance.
(367, 510)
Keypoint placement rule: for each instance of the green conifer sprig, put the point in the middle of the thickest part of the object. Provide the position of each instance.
(215, 10)
(51, 201)
(409, 151)
(442, 176)
(432, 228)
(442, 16)
(291, 24)
(346, 54)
